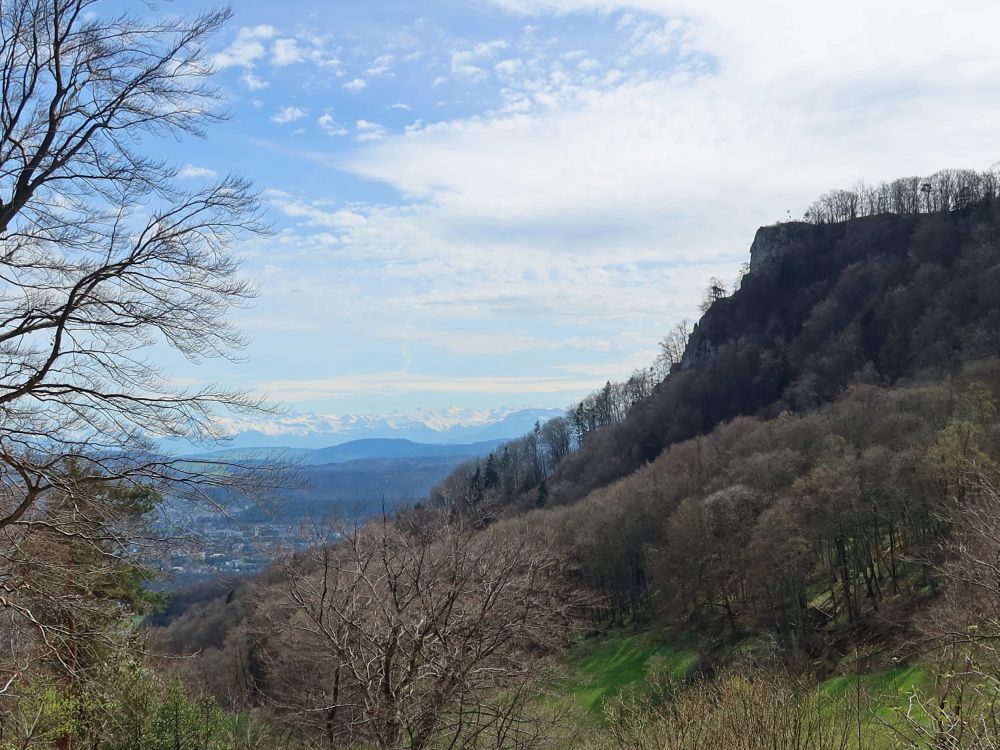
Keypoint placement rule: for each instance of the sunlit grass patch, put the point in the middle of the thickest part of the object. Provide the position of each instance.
(601, 667)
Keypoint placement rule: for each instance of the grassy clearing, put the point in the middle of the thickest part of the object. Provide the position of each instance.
(887, 685)
(601, 667)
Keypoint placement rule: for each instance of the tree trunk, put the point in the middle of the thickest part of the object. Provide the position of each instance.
(845, 581)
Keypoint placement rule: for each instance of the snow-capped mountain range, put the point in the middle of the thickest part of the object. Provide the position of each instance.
(448, 426)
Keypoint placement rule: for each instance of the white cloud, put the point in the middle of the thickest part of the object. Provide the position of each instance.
(521, 172)
(429, 266)
(356, 85)
(321, 56)
(286, 52)
(757, 41)
(489, 49)
(402, 106)
(510, 67)
(255, 44)
(289, 114)
(467, 62)
(370, 131)
(329, 126)
(634, 143)
(461, 67)
(254, 83)
(317, 215)
(190, 171)
(381, 65)
(246, 49)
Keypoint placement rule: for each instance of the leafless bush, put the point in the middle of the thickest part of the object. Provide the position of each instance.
(743, 710)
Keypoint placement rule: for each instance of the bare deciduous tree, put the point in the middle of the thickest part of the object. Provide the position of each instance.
(396, 640)
(946, 190)
(103, 256)
(672, 349)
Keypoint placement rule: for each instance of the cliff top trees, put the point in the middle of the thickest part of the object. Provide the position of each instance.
(101, 256)
(946, 190)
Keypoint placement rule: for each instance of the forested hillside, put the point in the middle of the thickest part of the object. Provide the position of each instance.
(805, 491)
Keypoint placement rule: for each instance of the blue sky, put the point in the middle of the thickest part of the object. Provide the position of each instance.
(507, 202)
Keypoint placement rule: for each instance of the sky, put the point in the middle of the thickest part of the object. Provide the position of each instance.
(503, 203)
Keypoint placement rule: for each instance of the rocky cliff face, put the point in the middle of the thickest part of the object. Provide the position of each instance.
(773, 242)
(771, 245)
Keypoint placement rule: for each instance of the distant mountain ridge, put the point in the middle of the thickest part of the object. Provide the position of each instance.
(446, 427)
(365, 449)
(379, 448)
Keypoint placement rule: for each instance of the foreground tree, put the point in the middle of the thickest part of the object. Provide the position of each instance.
(102, 256)
(400, 640)
(958, 633)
